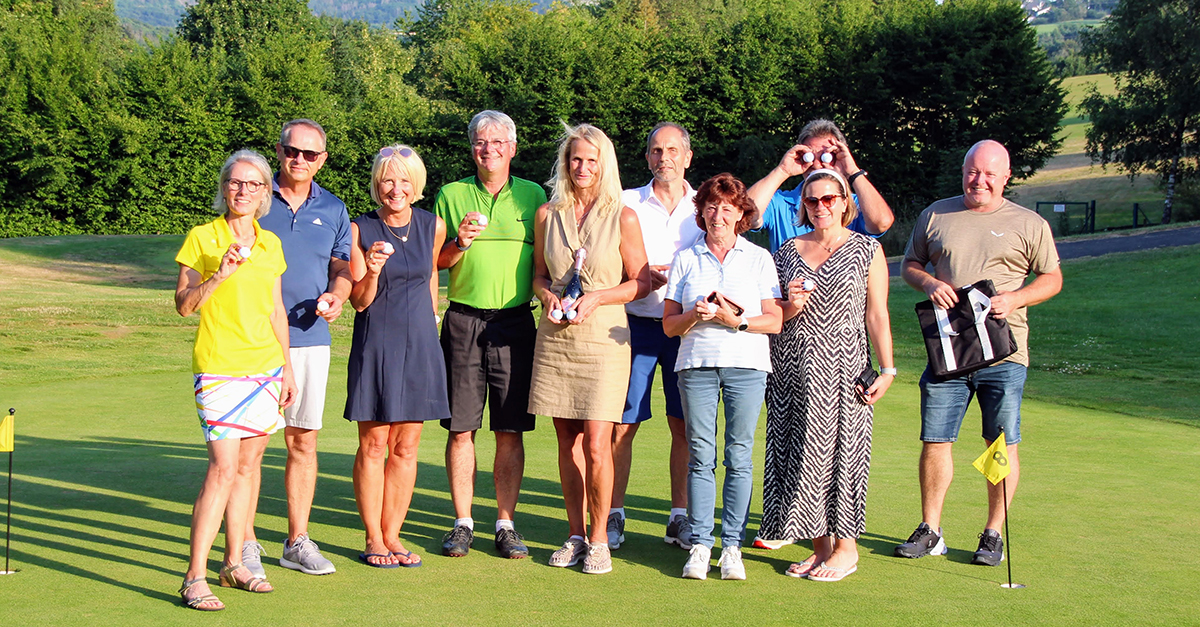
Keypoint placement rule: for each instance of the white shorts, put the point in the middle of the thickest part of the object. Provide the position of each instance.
(310, 366)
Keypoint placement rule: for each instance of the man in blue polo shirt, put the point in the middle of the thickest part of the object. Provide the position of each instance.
(314, 227)
(824, 141)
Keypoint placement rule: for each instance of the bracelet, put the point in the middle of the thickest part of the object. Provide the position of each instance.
(459, 246)
(850, 179)
(891, 371)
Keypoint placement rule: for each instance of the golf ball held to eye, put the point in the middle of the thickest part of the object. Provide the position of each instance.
(826, 158)
(808, 157)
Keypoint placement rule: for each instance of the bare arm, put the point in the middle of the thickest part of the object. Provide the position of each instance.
(879, 325)
(1041, 289)
(449, 254)
(192, 290)
(337, 291)
(439, 236)
(636, 271)
(792, 164)
(279, 324)
(877, 215)
(365, 266)
(941, 293)
(676, 321)
(541, 273)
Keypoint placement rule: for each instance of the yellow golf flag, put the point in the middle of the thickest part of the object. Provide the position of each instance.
(994, 461)
(6, 434)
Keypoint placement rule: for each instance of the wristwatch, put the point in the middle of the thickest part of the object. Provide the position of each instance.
(743, 324)
(459, 245)
(850, 179)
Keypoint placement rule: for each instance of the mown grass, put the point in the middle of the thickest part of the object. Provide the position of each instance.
(109, 459)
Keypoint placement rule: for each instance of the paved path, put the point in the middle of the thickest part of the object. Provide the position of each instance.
(1119, 243)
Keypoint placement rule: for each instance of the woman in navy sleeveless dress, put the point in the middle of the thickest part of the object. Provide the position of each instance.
(397, 376)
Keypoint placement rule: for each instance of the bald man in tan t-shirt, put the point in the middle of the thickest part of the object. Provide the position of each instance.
(979, 235)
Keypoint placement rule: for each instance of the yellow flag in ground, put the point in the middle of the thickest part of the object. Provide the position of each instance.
(6, 434)
(994, 461)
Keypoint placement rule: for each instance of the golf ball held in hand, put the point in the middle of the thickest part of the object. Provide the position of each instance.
(712, 307)
(807, 285)
(808, 157)
(482, 221)
(322, 306)
(244, 252)
(388, 248)
(826, 158)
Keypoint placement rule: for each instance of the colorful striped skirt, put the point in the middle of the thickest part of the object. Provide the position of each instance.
(239, 407)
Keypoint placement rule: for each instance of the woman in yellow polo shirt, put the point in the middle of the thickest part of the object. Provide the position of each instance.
(229, 271)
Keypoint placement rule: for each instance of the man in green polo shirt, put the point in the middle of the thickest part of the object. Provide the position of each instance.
(488, 333)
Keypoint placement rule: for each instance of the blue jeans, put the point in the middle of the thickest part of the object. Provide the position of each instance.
(944, 402)
(701, 389)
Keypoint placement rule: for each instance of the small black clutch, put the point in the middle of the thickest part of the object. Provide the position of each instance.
(865, 379)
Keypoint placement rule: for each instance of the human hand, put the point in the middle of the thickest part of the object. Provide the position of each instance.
(550, 304)
(377, 256)
(467, 232)
(726, 313)
(797, 295)
(793, 162)
(332, 306)
(288, 391)
(584, 307)
(843, 161)
(880, 387)
(1004, 303)
(941, 293)
(658, 276)
(230, 262)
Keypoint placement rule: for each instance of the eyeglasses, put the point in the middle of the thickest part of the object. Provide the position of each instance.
(826, 201)
(235, 185)
(403, 152)
(291, 152)
(484, 144)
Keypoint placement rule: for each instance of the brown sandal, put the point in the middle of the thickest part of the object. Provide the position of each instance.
(253, 584)
(197, 601)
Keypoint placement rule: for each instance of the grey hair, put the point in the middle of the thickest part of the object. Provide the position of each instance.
(820, 127)
(487, 118)
(286, 131)
(687, 137)
(264, 176)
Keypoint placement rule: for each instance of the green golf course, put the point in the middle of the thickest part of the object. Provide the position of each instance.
(109, 457)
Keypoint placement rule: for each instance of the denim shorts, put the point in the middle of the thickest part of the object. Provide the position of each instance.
(650, 348)
(944, 402)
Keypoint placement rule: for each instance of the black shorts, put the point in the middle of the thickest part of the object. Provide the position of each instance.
(489, 359)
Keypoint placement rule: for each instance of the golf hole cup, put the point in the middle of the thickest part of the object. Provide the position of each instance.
(388, 248)
(244, 252)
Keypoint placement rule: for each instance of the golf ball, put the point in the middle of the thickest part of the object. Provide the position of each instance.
(322, 306)
(571, 313)
(244, 251)
(482, 221)
(826, 158)
(388, 248)
(557, 314)
(807, 285)
(712, 308)
(808, 157)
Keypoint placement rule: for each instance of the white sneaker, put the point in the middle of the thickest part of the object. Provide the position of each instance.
(731, 563)
(698, 562)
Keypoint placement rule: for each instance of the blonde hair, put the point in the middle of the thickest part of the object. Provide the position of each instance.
(259, 163)
(409, 165)
(825, 174)
(608, 193)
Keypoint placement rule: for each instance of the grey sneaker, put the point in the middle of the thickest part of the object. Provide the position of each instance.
(598, 561)
(731, 563)
(569, 555)
(679, 532)
(991, 549)
(616, 530)
(698, 562)
(924, 541)
(304, 555)
(252, 557)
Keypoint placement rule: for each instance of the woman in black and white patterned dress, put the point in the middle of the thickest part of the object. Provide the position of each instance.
(818, 421)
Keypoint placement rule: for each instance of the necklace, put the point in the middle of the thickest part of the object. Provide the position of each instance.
(407, 228)
(829, 248)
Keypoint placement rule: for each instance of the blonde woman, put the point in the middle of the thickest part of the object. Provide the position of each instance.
(581, 364)
(397, 377)
(229, 271)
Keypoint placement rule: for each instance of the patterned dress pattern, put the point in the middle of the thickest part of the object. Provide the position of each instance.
(818, 451)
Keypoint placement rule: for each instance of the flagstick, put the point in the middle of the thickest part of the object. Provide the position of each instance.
(1008, 544)
(8, 517)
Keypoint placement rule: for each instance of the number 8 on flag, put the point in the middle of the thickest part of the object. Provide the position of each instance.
(994, 461)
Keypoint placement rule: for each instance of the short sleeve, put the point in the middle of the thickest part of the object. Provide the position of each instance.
(781, 207)
(675, 280)
(1044, 257)
(918, 245)
(768, 278)
(441, 208)
(341, 239)
(191, 253)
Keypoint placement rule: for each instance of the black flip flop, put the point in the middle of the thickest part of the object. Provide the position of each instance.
(364, 558)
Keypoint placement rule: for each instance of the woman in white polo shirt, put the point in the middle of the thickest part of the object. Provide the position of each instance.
(722, 298)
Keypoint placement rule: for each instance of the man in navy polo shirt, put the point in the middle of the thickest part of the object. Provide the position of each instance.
(314, 227)
(824, 141)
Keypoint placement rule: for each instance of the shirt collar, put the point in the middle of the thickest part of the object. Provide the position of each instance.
(225, 234)
(314, 190)
(483, 190)
(701, 246)
(646, 194)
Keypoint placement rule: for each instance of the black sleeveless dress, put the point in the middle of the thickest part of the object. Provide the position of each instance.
(396, 369)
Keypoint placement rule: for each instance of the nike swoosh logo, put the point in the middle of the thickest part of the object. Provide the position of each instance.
(997, 234)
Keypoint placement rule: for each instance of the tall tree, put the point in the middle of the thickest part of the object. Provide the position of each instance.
(1152, 48)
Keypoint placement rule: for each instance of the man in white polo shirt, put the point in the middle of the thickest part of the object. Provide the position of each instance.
(668, 220)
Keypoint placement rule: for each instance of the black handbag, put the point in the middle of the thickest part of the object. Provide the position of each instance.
(967, 337)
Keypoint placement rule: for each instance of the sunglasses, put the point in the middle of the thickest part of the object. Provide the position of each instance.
(291, 152)
(826, 201)
(403, 152)
(235, 185)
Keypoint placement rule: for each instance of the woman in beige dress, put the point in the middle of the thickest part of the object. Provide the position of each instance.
(581, 365)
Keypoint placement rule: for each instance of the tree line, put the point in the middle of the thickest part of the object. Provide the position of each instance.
(101, 134)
